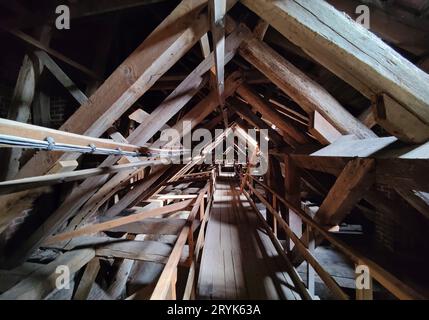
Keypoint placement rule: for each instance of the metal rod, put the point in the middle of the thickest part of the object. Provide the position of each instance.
(50, 145)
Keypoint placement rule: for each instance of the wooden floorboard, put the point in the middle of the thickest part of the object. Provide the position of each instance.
(239, 260)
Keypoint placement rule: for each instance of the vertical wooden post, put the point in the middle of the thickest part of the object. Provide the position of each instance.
(42, 102)
(310, 271)
(19, 111)
(292, 188)
(191, 245)
(274, 218)
(202, 210)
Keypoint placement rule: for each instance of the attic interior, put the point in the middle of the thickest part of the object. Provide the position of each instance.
(331, 201)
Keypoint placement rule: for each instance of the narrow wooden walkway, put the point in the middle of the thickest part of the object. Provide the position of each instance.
(239, 260)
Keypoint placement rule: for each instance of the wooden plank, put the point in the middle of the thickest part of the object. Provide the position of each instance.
(350, 146)
(119, 222)
(9, 278)
(292, 187)
(61, 76)
(152, 226)
(205, 45)
(84, 242)
(67, 176)
(162, 286)
(133, 195)
(63, 166)
(331, 39)
(40, 283)
(152, 251)
(140, 116)
(87, 280)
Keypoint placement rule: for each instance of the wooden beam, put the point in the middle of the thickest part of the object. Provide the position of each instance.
(324, 132)
(386, 279)
(119, 222)
(41, 103)
(398, 172)
(152, 251)
(87, 280)
(39, 45)
(350, 146)
(160, 226)
(367, 118)
(19, 110)
(356, 178)
(303, 90)
(163, 284)
(90, 186)
(134, 76)
(244, 110)
(217, 9)
(397, 120)
(417, 199)
(261, 29)
(292, 187)
(409, 35)
(42, 282)
(29, 131)
(271, 115)
(184, 92)
(324, 275)
(331, 39)
(205, 45)
(78, 10)
(67, 176)
(79, 96)
(138, 192)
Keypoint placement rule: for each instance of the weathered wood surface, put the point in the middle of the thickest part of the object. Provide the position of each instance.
(310, 95)
(331, 38)
(239, 261)
(43, 281)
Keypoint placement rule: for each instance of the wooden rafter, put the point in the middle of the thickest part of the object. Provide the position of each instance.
(331, 39)
(217, 10)
(307, 93)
